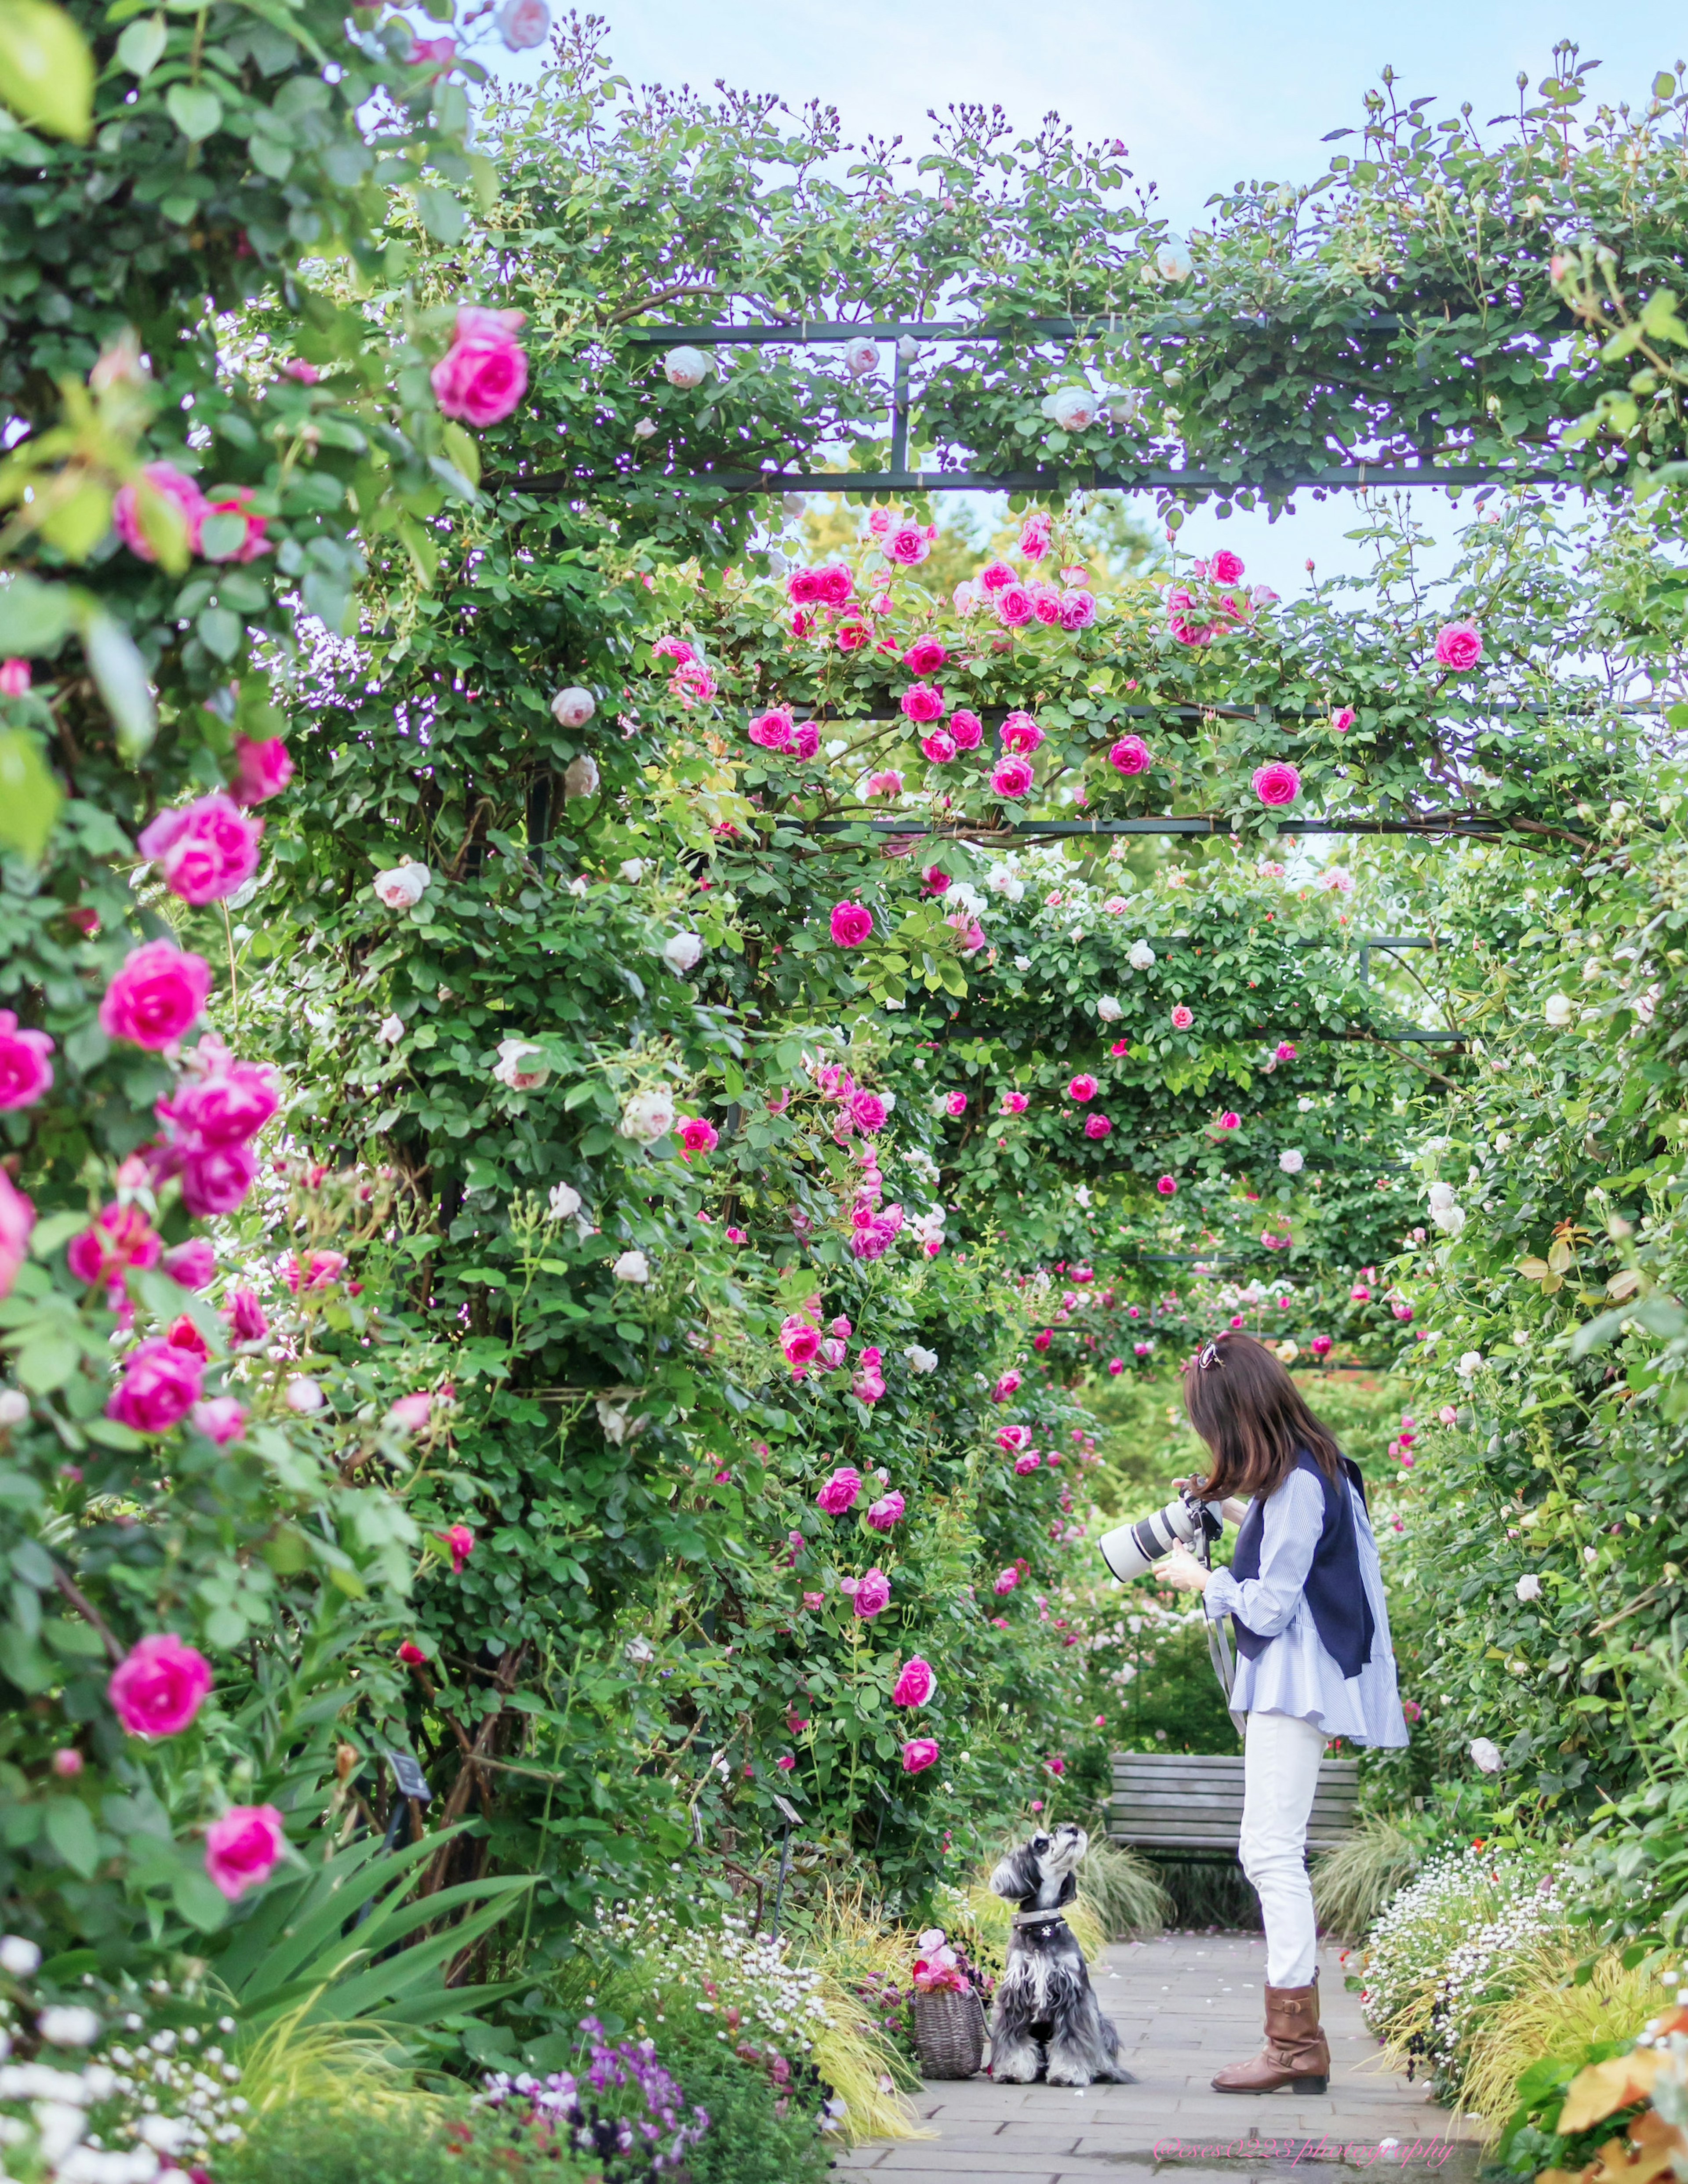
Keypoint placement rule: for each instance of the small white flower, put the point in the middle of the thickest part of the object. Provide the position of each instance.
(645, 429)
(510, 1068)
(18, 1957)
(580, 776)
(1560, 1009)
(565, 1201)
(403, 886)
(164, 2134)
(15, 1407)
(68, 2024)
(681, 951)
(632, 1267)
(1486, 1754)
(633, 870)
(1074, 408)
(921, 1360)
(304, 1395)
(578, 885)
(390, 1030)
(1109, 1009)
(1022, 962)
(1291, 1161)
(1529, 1587)
(686, 367)
(1141, 956)
(648, 1115)
(1081, 1193)
(1469, 1365)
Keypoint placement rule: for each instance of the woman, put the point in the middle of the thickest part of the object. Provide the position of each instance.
(1305, 1596)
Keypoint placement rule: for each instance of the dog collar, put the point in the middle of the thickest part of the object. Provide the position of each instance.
(1037, 1917)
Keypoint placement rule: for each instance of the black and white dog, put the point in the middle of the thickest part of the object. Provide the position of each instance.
(1045, 2022)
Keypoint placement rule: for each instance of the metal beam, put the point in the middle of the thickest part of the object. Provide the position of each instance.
(1342, 478)
(1477, 824)
(1174, 318)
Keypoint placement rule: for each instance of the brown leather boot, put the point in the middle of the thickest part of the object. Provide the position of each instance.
(1295, 2053)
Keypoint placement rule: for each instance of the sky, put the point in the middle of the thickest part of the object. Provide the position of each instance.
(1204, 95)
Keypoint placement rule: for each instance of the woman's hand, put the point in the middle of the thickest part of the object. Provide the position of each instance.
(1181, 1570)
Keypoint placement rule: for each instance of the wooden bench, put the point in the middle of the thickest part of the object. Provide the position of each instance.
(1182, 1802)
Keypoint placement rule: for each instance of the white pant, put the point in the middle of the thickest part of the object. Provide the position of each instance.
(1281, 1755)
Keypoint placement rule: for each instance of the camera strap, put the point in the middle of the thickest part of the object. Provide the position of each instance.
(1219, 1641)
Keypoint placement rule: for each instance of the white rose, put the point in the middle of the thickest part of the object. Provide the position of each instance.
(1450, 1219)
(1022, 962)
(1441, 1197)
(1074, 408)
(1559, 1010)
(513, 1053)
(633, 870)
(580, 776)
(573, 708)
(686, 367)
(1486, 1754)
(920, 1359)
(18, 1957)
(1470, 1364)
(1141, 956)
(648, 1115)
(861, 356)
(645, 429)
(632, 1267)
(565, 1201)
(1109, 1009)
(1288, 1352)
(681, 951)
(390, 1030)
(403, 887)
(304, 1395)
(1291, 1161)
(15, 1407)
(68, 2024)
(967, 597)
(1529, 1587)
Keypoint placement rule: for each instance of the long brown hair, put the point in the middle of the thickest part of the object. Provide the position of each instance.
(1252, 1415)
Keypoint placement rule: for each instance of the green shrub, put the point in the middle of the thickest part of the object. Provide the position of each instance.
(1354, 1882)
(413, 2139)
(759, 2132)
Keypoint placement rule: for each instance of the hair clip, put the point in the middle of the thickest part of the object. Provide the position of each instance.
(1209, 1355)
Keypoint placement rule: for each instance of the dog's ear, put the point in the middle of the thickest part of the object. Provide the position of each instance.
(1016, 1875)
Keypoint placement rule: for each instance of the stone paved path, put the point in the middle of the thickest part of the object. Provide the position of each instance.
(1185, 2005)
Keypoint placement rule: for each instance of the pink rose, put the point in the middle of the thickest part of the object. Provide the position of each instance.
(1320, 1345)
(483, 375)
(160, 1385)
(15, 678)
(1020, 735)
(221, 1420)
(1168, 1186)
(1139, 1349)
(1034, 535)
(1042, 1340)
(886, 1513)
(799, 1338)
(851, 923)
(1024, 1465)
(773, 730)
(806, 741)
(1012, 777)
(956, 1105)
(997, 576)
(922, 701)
(886, 782)
(1015, 1103)
(698, 1135)
(156, 996)
(1014, 606)
(1116, 1366)
(802, 587)
(215, 1179)
(1009, 1438)
(121, 1237)
(193, 1264)
(939, 747)
(915, 1684)
(868, 1110)
(244, 1848)
(1226, 567)
(25, 1073)
(235, 500)
(1078, 609)
(1183, 1018)
(1130, 755)
(1277, 782)
(158, 1687)
(232, 1102)
(203, 850)
(1097, 1126)
(1459, 646)
(966, 730)
(460, 1543)
(833, 584)
(320, 1270)
(262, 769)
(873, 1595)
(1006, 1580)
(1342, 719)
(908, 545)
(1008, 1385)
(1283, 1051)
(244, 1316)
(168, 483)
(919, 1754)
(1046, 605)
(1082, 1088)
(925, 656)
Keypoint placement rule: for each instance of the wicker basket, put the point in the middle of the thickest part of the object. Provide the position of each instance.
(949, 2031)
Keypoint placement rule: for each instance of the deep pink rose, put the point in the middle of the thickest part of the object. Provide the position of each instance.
(1043, 1338)
(1015, 1103)
(25, 1073)
(1078, 609)
(873, 1595)
(806, 741)
(193, 1264)
(1459, 646)
(1014, 606)
(916, 1684)
(1226, 567)
(939, 747)
(1008, 1385)
(158, 1687)
(15, 678)
(245, 1316)
(925, 656)
(919, 1754)
(1046, 605)
(922, 701)
(1277, 782)
(460, 1543)
(1097, 1126)
(17, 1219)
(803, 587)
(851, 923)
(156, 996)
(1168, 1186)
(834, 584)
(160, 1385)
(773, 730)
(244, 1848)
(221, 1420)
(1283, 1051)
(262, 769)
(907, 545)
(167, 480)
(235, 500)
(121, 1237)
(483, 375)
(1012, 777)
(215, 1179)
(1320, 1345)
(886, 1513)
(1006, 1580)
(868, 1110)
(698, 1135)
(1020, 735)
(1130, 755)
(966, 729)
(203, 850)
(799, 1338)
(1023, 1465)
(957, 1104)
(232, 1102)
(840, 1491)
(1082, 1087)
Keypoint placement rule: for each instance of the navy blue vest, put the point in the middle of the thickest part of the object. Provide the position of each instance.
(1334, 1590)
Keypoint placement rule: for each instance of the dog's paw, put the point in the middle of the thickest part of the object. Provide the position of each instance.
(1068, 2074)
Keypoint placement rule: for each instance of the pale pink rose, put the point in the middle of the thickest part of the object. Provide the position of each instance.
(872, 1594)
(1012, 777)
(25, 1073)
(880, 521)
(886, 782)
(203, 850)
(915, 1685)
(997, 576)
(221, 1420)
(158, 1687)
(1025, 1465)
(483, 375)
(851, 924)
(1014, 606)
(1130, 755)
(1078, 609)
(160, 1385)
(1183, 1018)
(15, 678)
(410, 1414)
(1046, 605)
(157, 995)
(1277, 782)
(1007, 1385)
(1034, 535)
(919, 1754)
(173, 486)
(1342, 719)
(244, 1848)
(307, 374)
(523, 24)
(1459, 646)
(261, 769)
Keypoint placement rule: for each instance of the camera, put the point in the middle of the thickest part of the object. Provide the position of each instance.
(1135, 1548)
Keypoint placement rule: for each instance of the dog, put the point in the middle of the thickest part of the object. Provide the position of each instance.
(1045, 2021)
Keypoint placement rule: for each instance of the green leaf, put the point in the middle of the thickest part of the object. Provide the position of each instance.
(141, 47)
(29, 795)
(441, 215)
(46, 72)
(199, 1900)
(220, 631)
(46, 1362)
(71, 1832)
(120, 673)
(463, 450)
(196, 111)
(34, 617)
(222, 537)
